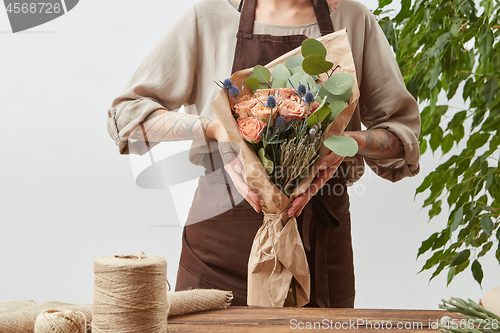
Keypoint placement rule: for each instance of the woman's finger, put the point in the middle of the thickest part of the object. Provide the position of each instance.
(234, 168)
(230, 158)
(321, 178)
(243, 188)
(329, 160)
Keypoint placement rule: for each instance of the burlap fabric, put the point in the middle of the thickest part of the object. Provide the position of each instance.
(184, 302)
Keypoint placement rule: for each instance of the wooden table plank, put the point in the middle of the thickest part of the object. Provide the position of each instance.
(277, 329)
(277, 320)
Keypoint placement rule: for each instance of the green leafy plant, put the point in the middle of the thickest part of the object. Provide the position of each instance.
(443, 47)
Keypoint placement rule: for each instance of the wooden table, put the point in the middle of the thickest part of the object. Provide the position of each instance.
(276, 320)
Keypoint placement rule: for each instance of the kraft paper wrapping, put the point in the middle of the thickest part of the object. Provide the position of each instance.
(277, 253)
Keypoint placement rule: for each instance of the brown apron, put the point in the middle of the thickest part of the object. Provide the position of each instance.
(221, 225)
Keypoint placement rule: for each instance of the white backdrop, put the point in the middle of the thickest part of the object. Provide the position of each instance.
(67, 196)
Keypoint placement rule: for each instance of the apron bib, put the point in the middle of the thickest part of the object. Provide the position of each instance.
(215, 250)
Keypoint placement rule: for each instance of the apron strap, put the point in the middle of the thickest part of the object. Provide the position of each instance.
(248, 17)
(323, 17)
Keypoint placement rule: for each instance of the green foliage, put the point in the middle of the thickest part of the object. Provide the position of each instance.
(342, 145)
(319, 114)
(312, 46)
(339, 84)
(315, 64)
(442, 46)
(268, 164)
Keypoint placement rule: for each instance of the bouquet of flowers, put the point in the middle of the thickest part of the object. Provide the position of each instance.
(286, 116)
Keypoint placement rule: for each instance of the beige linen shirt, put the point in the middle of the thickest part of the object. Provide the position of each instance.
(199, 49)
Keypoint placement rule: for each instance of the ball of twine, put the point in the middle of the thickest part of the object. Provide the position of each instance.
(60, 321)
(130, 294)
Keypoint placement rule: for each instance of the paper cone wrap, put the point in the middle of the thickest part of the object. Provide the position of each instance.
(277, 252)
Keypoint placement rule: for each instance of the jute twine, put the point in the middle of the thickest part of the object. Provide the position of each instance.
(130, 294)
(60, 321)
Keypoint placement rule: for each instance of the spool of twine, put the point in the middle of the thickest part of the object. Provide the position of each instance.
(130, 294)
(60, 321)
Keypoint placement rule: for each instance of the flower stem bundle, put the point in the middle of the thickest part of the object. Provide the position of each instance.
(476, 318)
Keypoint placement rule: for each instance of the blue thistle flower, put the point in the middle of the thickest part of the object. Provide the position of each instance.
(227, 84)
(234, 91)
(301, 90)
(271, 102)
(279, 123)
(309, 97)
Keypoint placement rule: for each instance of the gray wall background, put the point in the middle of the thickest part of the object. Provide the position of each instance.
(67, 196)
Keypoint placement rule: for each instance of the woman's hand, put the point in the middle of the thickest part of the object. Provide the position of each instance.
(232, 163)
(373, 143)
(327, 167)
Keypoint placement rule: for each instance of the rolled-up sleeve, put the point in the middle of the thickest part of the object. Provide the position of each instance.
(163, 81)
(386, 103)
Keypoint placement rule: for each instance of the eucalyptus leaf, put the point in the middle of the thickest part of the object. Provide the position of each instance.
(281, 72)
(308, 81)
(315, 64)
(342, 145)
(262, 74)
(298, 69)
(337, 107)
(278, 83)
(294, 81)
(294, 61)
(312, 46)
(319, 114)
(344, 97)
(253, 84)
(332, 98)
(339, 83)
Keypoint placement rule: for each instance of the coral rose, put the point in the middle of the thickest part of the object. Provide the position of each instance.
(279, 93)
(263, 113)
(243, 108)
(251, 129)
(291, 109)
(314, 106)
